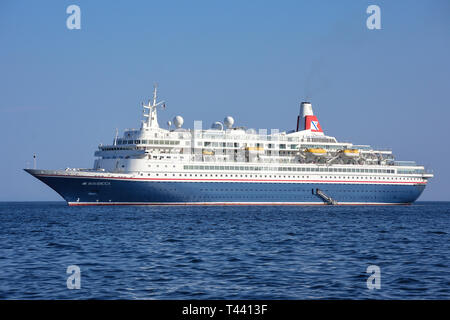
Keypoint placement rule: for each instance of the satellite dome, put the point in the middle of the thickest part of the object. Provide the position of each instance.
(178, 121)
(228, 121)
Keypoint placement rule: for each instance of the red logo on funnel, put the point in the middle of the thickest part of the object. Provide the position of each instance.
(311, 123)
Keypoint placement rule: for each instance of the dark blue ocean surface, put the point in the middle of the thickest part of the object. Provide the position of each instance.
(224, 252)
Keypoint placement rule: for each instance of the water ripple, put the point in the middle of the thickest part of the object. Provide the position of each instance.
(224, 253)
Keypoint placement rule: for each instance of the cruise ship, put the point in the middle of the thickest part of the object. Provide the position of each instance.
(231, 165)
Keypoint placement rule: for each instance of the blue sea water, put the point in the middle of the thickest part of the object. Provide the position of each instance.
(224, 252)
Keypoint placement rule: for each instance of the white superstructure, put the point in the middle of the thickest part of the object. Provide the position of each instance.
(234, 152)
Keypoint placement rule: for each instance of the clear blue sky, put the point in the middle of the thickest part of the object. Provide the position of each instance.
(62, 92)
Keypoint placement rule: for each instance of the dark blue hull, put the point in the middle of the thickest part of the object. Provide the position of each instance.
(86, 191)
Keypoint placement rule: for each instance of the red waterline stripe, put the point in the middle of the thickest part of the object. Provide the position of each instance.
(231, 180)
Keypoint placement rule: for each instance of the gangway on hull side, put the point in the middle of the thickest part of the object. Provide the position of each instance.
(328, 200)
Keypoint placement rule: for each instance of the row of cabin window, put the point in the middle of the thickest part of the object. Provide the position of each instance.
(121, 141)
(236, 144)
(410, 171)
(268, 145)
(275, 176)
(306, 169)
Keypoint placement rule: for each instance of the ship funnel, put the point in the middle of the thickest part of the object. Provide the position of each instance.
(306, 109)
(306, 120)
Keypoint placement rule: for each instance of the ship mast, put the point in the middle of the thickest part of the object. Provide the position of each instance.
(151, 115)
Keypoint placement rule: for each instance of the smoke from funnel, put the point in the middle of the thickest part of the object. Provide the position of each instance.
(315, 80)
